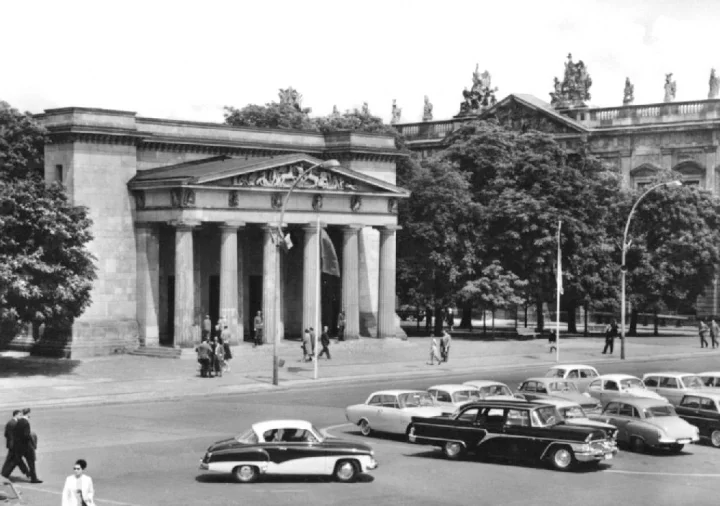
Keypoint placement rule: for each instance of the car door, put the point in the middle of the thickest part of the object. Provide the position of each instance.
(492, 421)
(669, 388)
(595, 389)
(298, 452)
(587, 375)
(519, 442)
(611, 415)
(388, 414)
(709, 416)
(689, 410)
(467, 429)
(372, 411)
(625, 414)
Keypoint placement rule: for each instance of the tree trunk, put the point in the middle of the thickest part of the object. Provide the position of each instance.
(632, 332)
(586, 334)
(428, 320)
(493, 323)
(484, 323)
(526, 308)
(656, 322)
(438, 321)
(540, 315)
(572, 327)
(466, 321)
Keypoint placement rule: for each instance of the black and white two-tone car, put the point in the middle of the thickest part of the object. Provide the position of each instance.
(287, 447)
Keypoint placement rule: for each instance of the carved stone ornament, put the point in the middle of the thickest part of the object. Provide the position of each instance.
(396, 112)
(628, 92)
(234, 198)
(714, 85)
(574, 90)
(670, 88)
(182, 197)
(392, 206)
(480, 96)
(355, 203)
(276, 200)
(317, 202)
(139, 199)
(285, 177)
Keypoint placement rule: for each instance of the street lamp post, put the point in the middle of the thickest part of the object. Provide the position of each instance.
(623, 268)
(278, 241)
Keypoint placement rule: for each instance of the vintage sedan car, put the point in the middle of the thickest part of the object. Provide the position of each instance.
(392, 410)
(287, 447)
(543, 388)
(579, 374)
(494, 390)
(453, 396)
(710, 378)
(701, 410)
(611, 386)
(573, 414)
(8, 493)
(674, 385)
(518, 430)
(648, 423)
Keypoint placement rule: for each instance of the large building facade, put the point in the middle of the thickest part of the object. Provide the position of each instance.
(185, 219)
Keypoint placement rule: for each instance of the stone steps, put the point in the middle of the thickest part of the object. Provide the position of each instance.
(157, 352)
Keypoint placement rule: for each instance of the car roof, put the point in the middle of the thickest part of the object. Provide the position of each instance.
(670, 373)
(639, 402)
(556, 401)
(709, 373)
(545, 379)
(616, 377)
(483, 383)
(267, 425)
(573, 366)
(455, 387)
(713, 394)
(396, 392)
(510, 404)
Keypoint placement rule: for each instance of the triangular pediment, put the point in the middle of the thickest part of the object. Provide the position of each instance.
(263, 173)
(525, 112)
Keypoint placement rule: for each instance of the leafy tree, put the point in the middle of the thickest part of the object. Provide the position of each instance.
(22, 141)
(273, 115)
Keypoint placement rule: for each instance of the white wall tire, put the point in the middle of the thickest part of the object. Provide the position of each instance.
(245, 473)
(346, 471)
(453, 450)
(562, 458)
(715, 438)
(365, 428)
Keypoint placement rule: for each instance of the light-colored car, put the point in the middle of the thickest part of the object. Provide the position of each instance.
(644, 423)
(453, 396)
(674, 385)
(612, 386)
(573, 414)
(493, 390)
(392, 410)
(710, 378)
(579, 374)
(542, 388)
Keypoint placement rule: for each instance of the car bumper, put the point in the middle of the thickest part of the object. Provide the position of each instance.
(371, 464)
(679, 441)
(597, 452)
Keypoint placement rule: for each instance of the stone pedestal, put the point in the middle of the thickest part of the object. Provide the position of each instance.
(386, 295)
(350, 284)
(147, 243)
(229, 278)
(184, 283)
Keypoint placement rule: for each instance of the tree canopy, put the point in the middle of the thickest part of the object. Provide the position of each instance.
(22, 142)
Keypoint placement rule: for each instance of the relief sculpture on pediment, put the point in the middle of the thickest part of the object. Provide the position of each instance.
(285, 177)
(182, 197)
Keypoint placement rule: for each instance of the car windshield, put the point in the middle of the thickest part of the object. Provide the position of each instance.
(495, 390)
(248, 436)
(657, 411)
(555, 373)
(415, 400)
(546, 416)
(692, 382)
(631, 383)
(573, 412)
(465, 395)
(562, 386)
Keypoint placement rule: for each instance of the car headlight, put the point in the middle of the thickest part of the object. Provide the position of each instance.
(586, 394)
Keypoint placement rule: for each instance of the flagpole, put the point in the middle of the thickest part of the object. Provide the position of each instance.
(317, 302)
(559, 290)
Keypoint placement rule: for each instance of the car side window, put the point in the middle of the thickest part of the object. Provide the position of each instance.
(468, 415)
(375, 400)
(591, 373)
(528, 386)
(690, 402)
(626, 410)
(443, 396)
(650, 381)
(612, 408)
(573, 374)
(611, 385)
(389, 401)
(708, 405)
(541, 388)
(517, 418)
(635, 413)
(668, 382)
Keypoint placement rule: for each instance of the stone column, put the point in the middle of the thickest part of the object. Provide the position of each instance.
(350, 284)
(184, 283)
(270, 286)
(386, 295)
(147, 236)
(229, 276)
(311, 258)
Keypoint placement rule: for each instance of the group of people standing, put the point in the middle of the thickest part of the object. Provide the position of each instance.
(214, 351)
(440, 351)
(21, 443)
(713, 329)
(309, 342)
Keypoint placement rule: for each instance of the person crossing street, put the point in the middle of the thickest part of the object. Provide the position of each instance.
(325, 342)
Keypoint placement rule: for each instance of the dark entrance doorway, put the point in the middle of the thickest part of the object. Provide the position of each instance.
(214, 299)
(169, 338)
(330, 295)
(255, 302)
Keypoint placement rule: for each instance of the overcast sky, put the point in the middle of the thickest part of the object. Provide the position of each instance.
(186, 60)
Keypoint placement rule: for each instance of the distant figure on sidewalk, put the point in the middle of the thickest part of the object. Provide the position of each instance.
(611, 332)
(78, 489)
(552, 341)
(703, 331)
(306, 345)
(203, 354)
(206, 327)
(341, 326)
(225, 341)
(10, 460)
(258, 324)
(325, 342)
(445, 345)
(450, 318)
(434, 351)
(714, 332)
(218, 356)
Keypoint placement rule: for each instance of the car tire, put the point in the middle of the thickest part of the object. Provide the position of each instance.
(245, 473)
(365, 428)
(453, 450)
(676, 448)
(345, 471)
(637, 445)
(715, 438)
(562, 458)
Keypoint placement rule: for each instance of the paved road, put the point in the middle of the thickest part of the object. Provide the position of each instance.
(147, 454)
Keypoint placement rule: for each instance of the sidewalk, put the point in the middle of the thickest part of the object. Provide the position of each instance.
(127, 378)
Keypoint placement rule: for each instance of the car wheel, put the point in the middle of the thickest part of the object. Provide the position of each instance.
(453, 450)
(365, 427)
(637, 445)
(676, 448)
(562, 458)
(345, 471)
(245, 473)
(715, 438)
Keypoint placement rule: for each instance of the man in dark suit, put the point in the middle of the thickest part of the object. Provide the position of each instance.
(24, 446)
(9, 438)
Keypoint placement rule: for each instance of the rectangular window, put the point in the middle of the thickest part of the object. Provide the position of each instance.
(59, 173)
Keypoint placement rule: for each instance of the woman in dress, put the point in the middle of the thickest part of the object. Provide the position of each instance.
(78, 489)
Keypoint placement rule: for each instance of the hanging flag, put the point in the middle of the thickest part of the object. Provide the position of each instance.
(329, 260)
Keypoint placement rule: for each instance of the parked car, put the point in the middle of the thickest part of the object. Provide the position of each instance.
(492, 390)
(710, 379)
(579, 374)
(574, 414)
(673, 385)
(453, 396)
(612, 386)
(8, 493)
(391, 410)
(517, 430)
(644, 423)
(543, 388)
(701, 410)
(287, 447)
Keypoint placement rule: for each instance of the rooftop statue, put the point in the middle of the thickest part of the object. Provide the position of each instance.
(427, 110)
(365, 109)
(396, 112)
(714, 85)
(574, 90)
(629, 92)
(670, 88)
(480, 96)
(293, 98)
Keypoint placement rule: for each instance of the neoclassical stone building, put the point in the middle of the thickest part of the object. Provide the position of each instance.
(184, 219)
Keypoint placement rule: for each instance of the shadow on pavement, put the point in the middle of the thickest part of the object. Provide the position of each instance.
(14, 367)
(227, 478)
(580, 468)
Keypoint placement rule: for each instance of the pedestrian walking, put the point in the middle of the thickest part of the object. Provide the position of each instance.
(714, 332)
(341, 326)
(78, 489)
(450, 317)
(325, 342)
(204, 351)
(258, 324)
(611, 331)
(219, 357)
(206, 327)
(227, 354)
(306, 345)
(10, 458)
(434, 351)
(703, 331)
(445, 345)
(313, 343)
(24, 446)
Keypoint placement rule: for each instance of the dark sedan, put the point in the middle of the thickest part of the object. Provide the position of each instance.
(701, 410)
